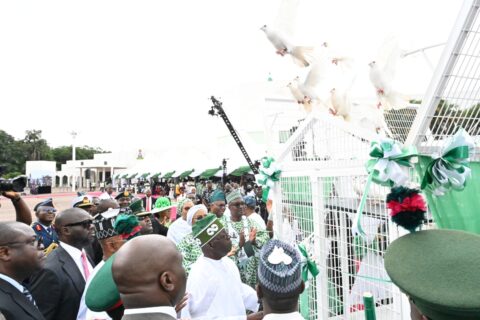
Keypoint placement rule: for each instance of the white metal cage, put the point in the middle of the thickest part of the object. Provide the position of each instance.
(323, 179)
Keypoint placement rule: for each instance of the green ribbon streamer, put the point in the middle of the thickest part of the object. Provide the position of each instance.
(384, 169)
(269, 174)
(450, 170)
(309, 269)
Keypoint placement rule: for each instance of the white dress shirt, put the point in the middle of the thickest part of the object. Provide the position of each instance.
(92, 315)
(76, 255)
(283, 316)
(165, 310)
(13, 282)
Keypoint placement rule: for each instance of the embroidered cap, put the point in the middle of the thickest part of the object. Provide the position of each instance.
(217, 195)
(234, 195)
(279, 269)
(206, 229)
(104, 224)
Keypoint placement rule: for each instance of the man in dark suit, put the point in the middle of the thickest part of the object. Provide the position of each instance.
(149, 200)
(58, 288)
(149, 274)
(20, 256)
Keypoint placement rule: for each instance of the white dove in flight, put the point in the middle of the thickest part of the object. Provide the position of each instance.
(302, 56)
(341, 104)
(299, 96)
(382, 74)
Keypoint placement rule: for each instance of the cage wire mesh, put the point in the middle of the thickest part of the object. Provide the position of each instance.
(455, 101)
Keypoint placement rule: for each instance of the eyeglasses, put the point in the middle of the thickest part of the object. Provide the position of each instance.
(187, 208)
(85, 224)
(36, 242)
(51, 210)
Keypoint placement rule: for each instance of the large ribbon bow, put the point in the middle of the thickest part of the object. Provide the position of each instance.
(385, 169)
(269, 174)
(388, 159)
(450, 170)
(309, 270)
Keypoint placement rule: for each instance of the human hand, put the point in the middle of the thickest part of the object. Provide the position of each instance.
(242, 240)
(253, 235)
(12, 195)
(233, 251)
(269, 205)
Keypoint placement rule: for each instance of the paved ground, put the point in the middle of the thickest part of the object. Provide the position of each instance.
(60, 200)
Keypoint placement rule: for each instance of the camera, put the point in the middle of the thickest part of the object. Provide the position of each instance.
(16, 184)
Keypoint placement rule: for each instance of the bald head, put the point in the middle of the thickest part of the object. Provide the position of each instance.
(11, 231)
(106, 204)
(20, 253)
(148, 272)
(74, 227)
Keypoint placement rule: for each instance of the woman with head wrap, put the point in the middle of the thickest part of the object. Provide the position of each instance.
(180, 228)
(188, 246)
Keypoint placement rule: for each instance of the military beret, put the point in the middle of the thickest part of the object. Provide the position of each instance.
(438, 270)
(102, 293)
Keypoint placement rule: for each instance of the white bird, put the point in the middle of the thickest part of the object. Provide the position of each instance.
(301, 55)
(341, 103)
(299, 96)
(382, 75)
(387, 96)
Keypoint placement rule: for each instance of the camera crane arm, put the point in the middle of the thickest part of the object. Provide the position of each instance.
(217, 109)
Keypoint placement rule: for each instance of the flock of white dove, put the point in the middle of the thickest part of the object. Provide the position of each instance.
(328, 83)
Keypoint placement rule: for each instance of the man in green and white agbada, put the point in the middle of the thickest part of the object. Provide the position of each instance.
(247, 238)
(188, 246)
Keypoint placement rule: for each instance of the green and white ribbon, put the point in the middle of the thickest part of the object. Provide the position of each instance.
(269, 174)
(387, 168)
(450, 169)
(309, 271)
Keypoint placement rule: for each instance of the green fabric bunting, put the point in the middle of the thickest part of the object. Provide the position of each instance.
(450, 170)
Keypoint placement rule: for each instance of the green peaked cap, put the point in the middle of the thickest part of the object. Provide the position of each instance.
(438, 270)
(206, 229)
(102, 294)
(137, 206)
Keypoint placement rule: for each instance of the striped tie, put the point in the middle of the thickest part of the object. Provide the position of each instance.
(28, 295)
(86, 271)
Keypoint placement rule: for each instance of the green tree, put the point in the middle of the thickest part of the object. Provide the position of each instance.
(36, 147)
(12, 155)
(64, 153)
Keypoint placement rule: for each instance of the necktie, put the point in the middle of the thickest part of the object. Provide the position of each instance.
(149, 204)
(29, 296)
(49, 230)
(86, 272)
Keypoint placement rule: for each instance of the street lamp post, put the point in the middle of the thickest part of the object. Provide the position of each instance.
(74, 182)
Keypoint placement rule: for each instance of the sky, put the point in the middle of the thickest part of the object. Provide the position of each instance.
(138, 74)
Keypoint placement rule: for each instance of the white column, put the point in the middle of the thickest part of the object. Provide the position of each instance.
(103, 175)
(74, 135)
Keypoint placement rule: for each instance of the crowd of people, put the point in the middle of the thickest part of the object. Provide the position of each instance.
(206, 254)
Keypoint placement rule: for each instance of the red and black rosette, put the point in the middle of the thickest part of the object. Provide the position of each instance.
(407, 207)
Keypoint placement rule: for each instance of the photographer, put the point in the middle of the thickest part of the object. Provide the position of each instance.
(22, 211)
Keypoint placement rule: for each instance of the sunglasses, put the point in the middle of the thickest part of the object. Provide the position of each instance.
(141, 218)
(51, 210)
(85, 223)
(187, 208)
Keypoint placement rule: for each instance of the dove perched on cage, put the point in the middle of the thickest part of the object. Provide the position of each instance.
(382, 76)
(301, 55)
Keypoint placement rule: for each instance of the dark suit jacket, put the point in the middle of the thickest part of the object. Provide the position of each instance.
(15, 306)
(58, 288)
(144, 201)
(147, 316)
